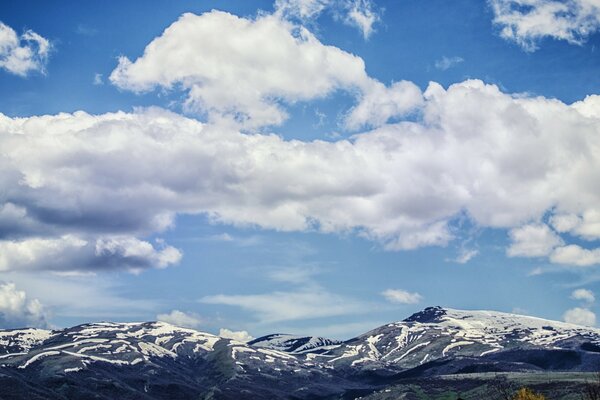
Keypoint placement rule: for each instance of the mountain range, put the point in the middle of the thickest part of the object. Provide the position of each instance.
(155, 360)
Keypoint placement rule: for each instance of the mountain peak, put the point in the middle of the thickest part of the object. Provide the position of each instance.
(428, 315)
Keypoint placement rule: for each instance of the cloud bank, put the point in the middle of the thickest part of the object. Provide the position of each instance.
(82, 182)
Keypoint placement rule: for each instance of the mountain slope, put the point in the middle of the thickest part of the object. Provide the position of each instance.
(155, 360)
(436, 334)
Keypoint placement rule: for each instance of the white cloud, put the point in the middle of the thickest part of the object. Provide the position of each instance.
(380, 103)
(401, 296)
(400, 185)
(297, 275)
(268, 60)
(575, 255)
(586, 226)
(301, 9)
(240, 336)
(526, 22)
(534, 240)
(74, 253)
(17, 311)
(98, 80)
(564, 222)
(181, 319)
(358, 13)
(307, 303)
(583, 294)
(580, 316)
(445, 63)
(465, 256)
(22, 54)
(362, 15)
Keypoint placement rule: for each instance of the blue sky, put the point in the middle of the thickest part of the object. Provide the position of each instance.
(303, 166)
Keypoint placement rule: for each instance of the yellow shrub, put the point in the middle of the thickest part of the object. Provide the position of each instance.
(527, 394)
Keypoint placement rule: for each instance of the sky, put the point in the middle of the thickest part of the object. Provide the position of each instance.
(315, 167)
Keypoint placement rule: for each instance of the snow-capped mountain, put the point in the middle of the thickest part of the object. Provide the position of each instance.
(296, 344)
(439, 333)
(156, 360)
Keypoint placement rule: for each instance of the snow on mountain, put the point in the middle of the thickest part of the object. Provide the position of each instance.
(149, 357)
(21, 340)
(295, 344)
(437, 333)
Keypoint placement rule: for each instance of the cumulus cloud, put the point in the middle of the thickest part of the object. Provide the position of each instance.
(240, 336)
(539, 240)
(240, 67)
(22, 54)
(379, 103)
(500, 159)
(580, 316)
(70, 252)
(576, 255)
(181, 319)
(583, 294)
(17, 311)
(526, 22)
(401, 296)
(248, 70)
(534, 240)
(586, 225)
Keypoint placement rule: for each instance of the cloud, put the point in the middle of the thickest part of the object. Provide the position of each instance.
(539, 240)
(181, 319)
(379, 103)
(534, 240)
(83, 296)
(17, 311)
(269, 60)
(96, 177)
(445, 63)
(575, 255)
(21, 55)
(240, 336)
(580, 316)
(583, 294)
(74, 253)
(526, 22)
(98, 80)
(297, 275)
(587, 225)
(465, 255)
(305, 303)
(361, 14)
(401, 296)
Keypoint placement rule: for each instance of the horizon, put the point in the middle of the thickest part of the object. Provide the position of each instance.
(242, 336)
(306, 166)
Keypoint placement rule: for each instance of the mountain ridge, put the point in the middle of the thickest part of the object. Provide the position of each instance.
(155, 360)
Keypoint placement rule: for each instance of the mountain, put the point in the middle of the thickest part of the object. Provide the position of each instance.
(295, 344)
(155, 360)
